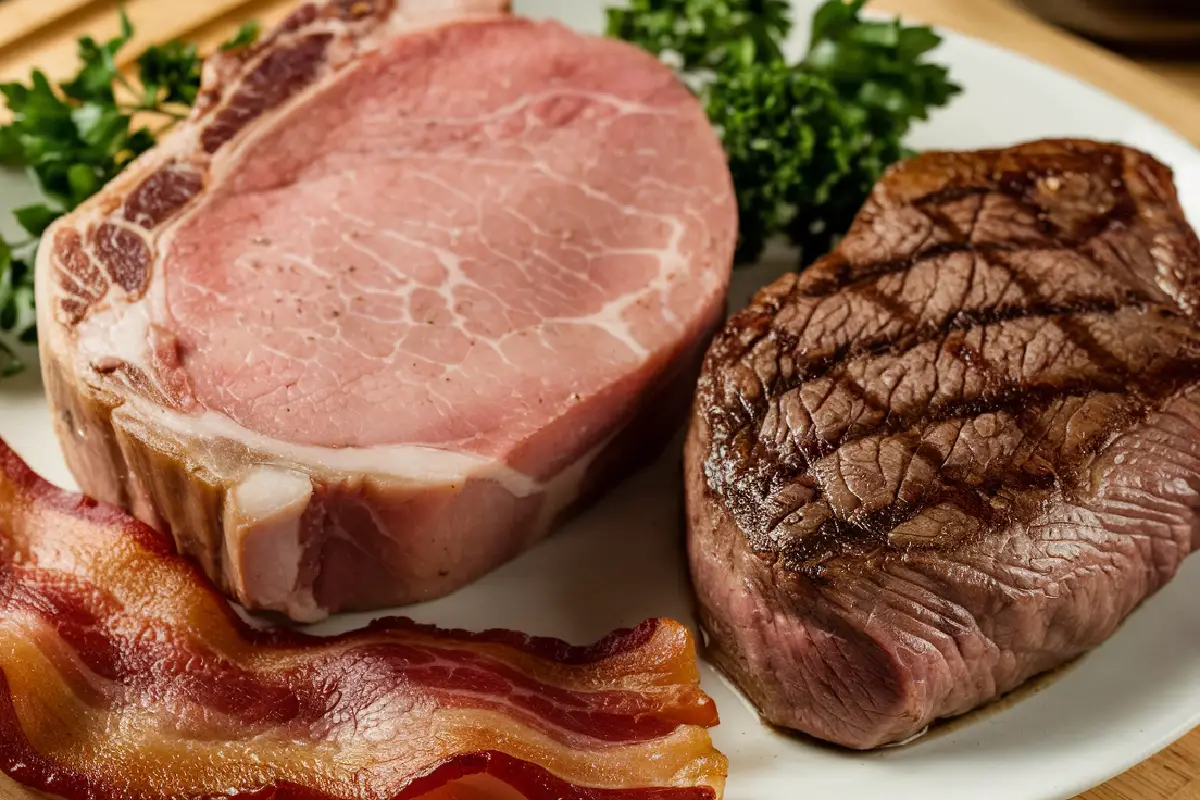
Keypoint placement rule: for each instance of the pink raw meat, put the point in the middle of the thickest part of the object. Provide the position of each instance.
(413, 283)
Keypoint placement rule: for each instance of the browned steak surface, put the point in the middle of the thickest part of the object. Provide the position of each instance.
(957, 451)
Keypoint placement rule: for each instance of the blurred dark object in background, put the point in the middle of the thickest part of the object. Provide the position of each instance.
(1169, 28)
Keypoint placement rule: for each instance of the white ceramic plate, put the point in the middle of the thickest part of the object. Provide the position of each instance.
(622, 562)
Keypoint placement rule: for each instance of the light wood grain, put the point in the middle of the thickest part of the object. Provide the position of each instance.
(1002, 22)
(1186, 76)
(23, 17)
(51, 44)
(43, 32)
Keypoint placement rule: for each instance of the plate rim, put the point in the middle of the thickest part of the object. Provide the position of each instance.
(1111, 768)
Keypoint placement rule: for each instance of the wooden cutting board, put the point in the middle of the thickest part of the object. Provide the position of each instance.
(43, 33)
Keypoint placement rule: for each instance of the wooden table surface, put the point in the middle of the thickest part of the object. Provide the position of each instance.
(43, 32)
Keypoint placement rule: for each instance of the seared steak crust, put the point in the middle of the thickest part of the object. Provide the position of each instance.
(958, 450)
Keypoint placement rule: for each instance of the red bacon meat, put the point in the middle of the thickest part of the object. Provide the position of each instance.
(124, 674)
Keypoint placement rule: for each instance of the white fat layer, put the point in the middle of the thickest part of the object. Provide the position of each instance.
(564, 488)
(414, 14)
(263, 537)
(121, 330)
(269, 492)
(613, 318)
(413, 465)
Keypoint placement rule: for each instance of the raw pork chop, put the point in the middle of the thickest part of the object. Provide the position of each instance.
(402, 294)
(957, 451)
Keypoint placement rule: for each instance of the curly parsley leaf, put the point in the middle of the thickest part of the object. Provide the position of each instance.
(789, 141)
(98, 69)
(805, 141)
(36, 218)
(76, 136)
(879, 66)
(705, 34)
(246, 35)
(16, 308)
(169, 73)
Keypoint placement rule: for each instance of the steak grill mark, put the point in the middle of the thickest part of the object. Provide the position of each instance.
(764, 469)
(957, 452)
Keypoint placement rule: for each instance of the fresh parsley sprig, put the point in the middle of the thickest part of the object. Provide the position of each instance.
(75, 137)
(712, 34)
(805, 141)
(16, 307)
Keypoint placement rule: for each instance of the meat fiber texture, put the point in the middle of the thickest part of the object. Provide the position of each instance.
(414, 282)
(124, 676)
(958, 451)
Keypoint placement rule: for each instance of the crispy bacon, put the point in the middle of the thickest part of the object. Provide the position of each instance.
(123, 674)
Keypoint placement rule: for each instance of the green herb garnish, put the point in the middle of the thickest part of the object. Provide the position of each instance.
(807, 140)
(76, 136)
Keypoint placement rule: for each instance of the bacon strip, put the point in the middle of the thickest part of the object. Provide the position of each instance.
(123, 674)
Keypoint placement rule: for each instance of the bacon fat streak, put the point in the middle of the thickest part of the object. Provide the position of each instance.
(123, 674)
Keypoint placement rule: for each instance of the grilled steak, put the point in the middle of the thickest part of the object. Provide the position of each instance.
(416, 280)
(959, 450)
